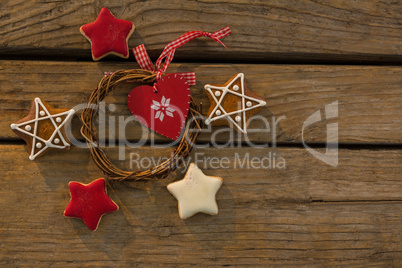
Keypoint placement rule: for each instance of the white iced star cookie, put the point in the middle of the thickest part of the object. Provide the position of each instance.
(43, 128)
(196, 192)
(232, 103)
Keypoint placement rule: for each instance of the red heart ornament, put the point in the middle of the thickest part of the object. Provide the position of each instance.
(164, 111)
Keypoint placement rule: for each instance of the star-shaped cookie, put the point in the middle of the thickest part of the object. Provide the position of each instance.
(89, 202)
(234, 102)
(108, 35)
(196, 192)
(43, 128)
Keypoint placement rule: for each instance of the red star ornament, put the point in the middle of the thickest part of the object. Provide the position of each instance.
(89, 202)
(108, 35)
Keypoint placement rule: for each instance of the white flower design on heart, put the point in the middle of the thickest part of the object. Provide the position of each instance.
(162, 108)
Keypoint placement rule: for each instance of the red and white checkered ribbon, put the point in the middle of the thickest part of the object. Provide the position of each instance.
(145, 62)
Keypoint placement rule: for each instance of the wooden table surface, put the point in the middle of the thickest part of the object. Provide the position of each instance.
(299, 55)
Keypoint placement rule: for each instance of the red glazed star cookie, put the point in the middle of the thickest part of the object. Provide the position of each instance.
(232, 103)
(108, 35)
(89, 202)
(43, 128)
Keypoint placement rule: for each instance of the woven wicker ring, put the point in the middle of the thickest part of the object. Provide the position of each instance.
(108, 83)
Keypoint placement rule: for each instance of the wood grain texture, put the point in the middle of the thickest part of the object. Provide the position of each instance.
(269, 218)
(369, 98)
(344, 30)
(277, 206)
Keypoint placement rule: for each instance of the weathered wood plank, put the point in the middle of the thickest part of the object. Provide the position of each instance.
(293, 176)
(356, 235)
(370, 99)
(264, 219)
(262, 30)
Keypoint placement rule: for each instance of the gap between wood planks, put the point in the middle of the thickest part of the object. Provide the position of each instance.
(275, 58)
(317, 145)
(397, 201)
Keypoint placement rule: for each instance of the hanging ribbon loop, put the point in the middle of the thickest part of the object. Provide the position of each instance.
(167, 54)
(142, 58)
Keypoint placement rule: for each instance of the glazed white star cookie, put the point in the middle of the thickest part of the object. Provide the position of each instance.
(196, 192)
(43, 128)
(234, 102)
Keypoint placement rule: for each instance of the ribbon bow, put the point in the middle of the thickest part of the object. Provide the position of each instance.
(167, 54)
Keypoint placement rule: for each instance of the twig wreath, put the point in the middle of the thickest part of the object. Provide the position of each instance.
(108, 83)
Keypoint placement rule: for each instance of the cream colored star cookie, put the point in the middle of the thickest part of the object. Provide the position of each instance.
(196, 192)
